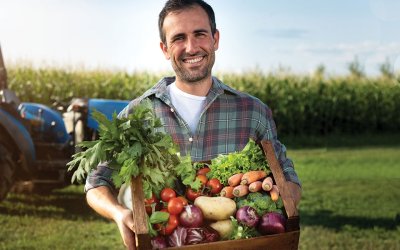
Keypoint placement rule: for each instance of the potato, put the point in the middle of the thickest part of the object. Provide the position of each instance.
(223, 227)
(216, 208)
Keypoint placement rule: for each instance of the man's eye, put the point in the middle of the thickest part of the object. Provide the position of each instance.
(179, 38)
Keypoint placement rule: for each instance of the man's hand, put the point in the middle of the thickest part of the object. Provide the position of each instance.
(124, 222)
(295, 191)
(102, 200)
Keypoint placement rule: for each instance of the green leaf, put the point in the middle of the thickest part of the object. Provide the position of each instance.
(159, 217)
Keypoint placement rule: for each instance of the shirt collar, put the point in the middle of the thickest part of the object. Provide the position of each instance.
(160, 89)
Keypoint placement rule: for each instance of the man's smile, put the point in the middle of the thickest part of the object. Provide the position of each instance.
(193, 60)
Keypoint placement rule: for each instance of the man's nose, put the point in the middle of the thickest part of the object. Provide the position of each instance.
(191, 45)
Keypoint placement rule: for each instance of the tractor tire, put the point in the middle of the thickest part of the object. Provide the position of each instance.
(7, 170)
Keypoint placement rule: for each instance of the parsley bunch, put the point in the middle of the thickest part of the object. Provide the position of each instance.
(133, 146)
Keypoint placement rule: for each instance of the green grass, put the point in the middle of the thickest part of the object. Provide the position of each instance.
(61, 220)
(351, 200)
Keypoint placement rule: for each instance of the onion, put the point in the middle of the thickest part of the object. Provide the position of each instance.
(272, 223)
(159, 242)
(247, 216)
(191, 216)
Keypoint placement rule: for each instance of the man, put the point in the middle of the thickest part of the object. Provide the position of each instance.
(204, 116)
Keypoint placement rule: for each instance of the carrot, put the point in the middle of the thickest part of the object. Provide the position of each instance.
(227, 192)
(267, 184)
(274, 193)
(255, 186)
(234, 180)
(252, 176)
(241, 190)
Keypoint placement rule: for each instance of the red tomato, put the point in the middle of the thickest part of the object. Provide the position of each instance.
(170, 226)
(167, 194)
(175, 206)
(184, 200)
(192, 195)
(203, 171)
(214, 185)
(148, 204)
(173, 220)
(203, 179)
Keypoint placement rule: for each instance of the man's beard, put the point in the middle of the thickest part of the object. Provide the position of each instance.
(192, 77)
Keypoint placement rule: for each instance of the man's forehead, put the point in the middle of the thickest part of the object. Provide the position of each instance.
(186, 20)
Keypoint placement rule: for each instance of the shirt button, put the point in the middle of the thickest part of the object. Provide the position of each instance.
(190, 139)
(172, 110)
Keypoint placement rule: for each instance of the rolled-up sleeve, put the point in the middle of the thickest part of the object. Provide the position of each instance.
(269, 132)
(286, 163)
(101, 176)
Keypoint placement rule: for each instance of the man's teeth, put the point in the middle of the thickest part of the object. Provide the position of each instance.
(194, 60)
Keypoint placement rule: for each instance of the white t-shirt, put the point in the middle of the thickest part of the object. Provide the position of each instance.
(189, 106)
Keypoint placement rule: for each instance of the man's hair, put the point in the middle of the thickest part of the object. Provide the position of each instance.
(178, 5)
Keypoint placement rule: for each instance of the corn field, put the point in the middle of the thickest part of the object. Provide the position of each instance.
(301, 104)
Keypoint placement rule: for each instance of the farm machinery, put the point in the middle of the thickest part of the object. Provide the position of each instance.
(37, 141)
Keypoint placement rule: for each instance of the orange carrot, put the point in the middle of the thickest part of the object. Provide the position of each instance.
(274, 193)
(252, 176)
(267, 184)
(234, 180)
(227, 192)
(255, 186)
(241, 190)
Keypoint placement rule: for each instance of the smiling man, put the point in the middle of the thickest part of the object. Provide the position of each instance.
(190, 42)
(204, 116)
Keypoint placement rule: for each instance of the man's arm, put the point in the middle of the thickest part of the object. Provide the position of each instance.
(269, 132)
(289, 172)
(103, 201)
(100, 196)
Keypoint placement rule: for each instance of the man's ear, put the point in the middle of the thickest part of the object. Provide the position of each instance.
(216, 39)
(164, 49)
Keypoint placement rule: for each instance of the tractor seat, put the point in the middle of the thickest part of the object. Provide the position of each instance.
(8, 96)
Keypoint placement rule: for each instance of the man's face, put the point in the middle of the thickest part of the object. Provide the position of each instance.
(190, 44)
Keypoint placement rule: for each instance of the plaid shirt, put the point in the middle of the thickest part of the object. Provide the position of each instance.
(229, 118)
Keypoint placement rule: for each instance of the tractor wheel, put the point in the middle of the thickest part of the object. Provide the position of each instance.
(7, 170)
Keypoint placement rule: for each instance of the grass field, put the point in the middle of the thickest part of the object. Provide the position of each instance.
(351, 200)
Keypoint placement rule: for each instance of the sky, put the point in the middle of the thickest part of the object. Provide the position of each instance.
(267, 35)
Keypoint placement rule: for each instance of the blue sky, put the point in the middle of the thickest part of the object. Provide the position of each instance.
(267, 34)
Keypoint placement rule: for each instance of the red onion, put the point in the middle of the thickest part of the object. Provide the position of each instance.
(191, 216)
(272, 223)
(159, 242)
(247, 216)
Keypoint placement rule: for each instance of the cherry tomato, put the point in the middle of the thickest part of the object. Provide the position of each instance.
(192, 195)
(173, 220)
(148, 204)
(175, 206)
(203, 171)
(203, 179)
(214, 185)
(170, 226)
(167, 194)
(184, 200)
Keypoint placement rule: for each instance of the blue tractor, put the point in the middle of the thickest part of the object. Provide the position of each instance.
(36, 141)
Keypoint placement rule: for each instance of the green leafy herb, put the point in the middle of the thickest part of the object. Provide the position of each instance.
(261, 202)
(134, 146)
(241, 231)
(250, 158)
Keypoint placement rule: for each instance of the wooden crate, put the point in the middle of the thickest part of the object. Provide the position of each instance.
(287, 240)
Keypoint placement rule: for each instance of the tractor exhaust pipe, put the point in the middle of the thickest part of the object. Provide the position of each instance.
(3, 73)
